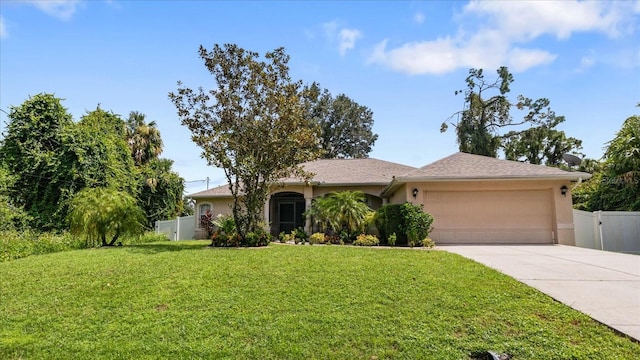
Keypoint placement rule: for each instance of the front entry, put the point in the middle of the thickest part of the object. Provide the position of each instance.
(287, 212)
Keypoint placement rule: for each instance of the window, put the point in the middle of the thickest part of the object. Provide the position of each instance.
(202, 212)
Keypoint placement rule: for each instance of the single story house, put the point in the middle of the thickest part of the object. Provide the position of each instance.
(474, 199)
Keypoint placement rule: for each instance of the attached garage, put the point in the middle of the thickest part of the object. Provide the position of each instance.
(501, 216)
(483, 200)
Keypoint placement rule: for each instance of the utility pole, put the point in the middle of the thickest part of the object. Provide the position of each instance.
(207, 183)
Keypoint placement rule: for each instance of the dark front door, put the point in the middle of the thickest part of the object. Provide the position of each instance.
(291, 215)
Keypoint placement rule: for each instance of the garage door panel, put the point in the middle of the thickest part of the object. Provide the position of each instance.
(490, 216)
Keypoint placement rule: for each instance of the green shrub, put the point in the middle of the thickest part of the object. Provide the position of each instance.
(407, 221)
(224, 224)
(300, 234)
(366, 240)
(427, 242)
(15, 244)
(317, 238)
(416, 223)
(388, 220)
(257, 238)
(392, 239)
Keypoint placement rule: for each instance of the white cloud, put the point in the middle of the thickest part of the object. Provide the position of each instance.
(494, 33)
(527, 20)
(60, 9)
(523, 59)
(346, 38)
(3, 29)
(429, 57)
(418, 17)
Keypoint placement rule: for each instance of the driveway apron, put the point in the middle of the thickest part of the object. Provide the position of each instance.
(604, 285)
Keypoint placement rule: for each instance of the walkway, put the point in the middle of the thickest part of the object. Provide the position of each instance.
(601, 284)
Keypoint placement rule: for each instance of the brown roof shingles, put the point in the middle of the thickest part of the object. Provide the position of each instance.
(352, 171)
(335, 172)
(460, 166)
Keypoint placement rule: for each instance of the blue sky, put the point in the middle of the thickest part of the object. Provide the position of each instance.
(402, 59)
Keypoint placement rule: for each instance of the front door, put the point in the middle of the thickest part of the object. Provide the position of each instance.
(287, 216)
(291, 215)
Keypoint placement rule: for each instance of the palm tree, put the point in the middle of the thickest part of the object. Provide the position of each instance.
(345, 210)
(143, 138)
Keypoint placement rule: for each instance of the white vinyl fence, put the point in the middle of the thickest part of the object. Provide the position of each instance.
(181, 228)
(617, 231)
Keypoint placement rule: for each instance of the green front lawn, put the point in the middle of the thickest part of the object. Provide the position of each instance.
(185, 300)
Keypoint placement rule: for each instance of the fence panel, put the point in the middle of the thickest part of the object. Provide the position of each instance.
(187, 227)
(182, 228)
(586, 230)
(621, 231)
(167, 227)
(617, 231)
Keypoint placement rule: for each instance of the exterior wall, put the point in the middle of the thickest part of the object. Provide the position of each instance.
(563, 207)
(561, 211)
(218, 206)
(400, 196)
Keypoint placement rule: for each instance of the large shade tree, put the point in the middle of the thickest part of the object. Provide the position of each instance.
(33, 154)
(488, 111)
(101, 153)
(251, 124)
(345, 126)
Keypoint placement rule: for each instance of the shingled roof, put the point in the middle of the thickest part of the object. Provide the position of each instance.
(334, 172)
(462, 166)
(352, 171)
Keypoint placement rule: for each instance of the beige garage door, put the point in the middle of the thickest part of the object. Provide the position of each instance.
(485, 217)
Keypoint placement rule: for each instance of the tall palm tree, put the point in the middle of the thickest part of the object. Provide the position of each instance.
(143, 138)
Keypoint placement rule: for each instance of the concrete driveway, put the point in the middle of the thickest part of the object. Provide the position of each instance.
(601, 284)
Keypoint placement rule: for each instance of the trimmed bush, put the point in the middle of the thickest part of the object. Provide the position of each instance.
(317, 238)
(416, 223)
(258, 238)
(366, 240)
(427, 242)
(388, 220)
(408, 222)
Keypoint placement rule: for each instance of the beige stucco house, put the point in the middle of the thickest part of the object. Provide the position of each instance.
(473, 199)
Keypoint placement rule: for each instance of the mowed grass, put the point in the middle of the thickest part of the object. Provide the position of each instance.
(187, 301)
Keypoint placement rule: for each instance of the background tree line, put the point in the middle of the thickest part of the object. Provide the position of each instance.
(46, 159)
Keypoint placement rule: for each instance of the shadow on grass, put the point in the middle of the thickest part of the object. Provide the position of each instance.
(156, 248)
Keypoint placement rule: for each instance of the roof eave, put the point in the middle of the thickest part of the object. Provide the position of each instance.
(391, 188)
(569, 176)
